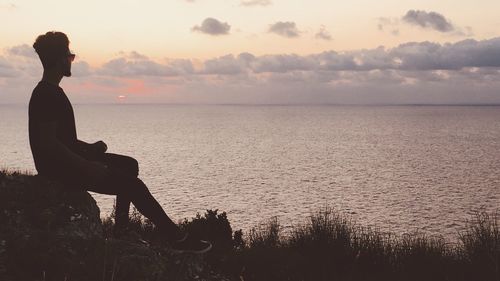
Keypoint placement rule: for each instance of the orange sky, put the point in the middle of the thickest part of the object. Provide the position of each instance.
(100, 30)
(220, 51)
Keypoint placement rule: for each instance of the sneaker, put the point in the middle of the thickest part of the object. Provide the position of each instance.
(190, 246)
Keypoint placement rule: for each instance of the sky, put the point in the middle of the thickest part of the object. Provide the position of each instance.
(260, 51)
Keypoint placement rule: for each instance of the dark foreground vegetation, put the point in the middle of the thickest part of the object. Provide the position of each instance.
(329, 246)
(332, 247)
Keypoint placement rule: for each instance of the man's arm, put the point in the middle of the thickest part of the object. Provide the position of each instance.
(82, 144)
(93, 148)
(93, 170)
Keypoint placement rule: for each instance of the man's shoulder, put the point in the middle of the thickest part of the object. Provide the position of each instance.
(44, 92)
(45, 98)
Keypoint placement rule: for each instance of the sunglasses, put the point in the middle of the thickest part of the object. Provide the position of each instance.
(71, 57)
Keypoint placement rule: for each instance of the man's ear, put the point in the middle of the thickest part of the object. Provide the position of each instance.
(61, 65)
(58, 64)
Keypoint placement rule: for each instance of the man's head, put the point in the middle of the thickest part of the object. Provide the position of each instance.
(53, 50)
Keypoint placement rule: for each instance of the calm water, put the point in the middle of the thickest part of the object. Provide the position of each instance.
(397, 168)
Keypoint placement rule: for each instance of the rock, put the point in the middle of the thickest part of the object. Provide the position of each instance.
(52, 232)
(46, 228)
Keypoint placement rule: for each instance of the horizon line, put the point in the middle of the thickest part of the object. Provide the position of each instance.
(275, 104)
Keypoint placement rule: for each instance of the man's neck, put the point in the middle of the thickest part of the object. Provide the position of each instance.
(52, 77)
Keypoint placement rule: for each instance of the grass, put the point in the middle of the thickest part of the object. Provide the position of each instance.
(328, 246)
(331, 246)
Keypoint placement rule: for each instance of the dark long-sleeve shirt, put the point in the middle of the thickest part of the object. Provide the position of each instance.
(49, 103)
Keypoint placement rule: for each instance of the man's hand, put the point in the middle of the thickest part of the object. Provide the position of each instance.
(99, 147)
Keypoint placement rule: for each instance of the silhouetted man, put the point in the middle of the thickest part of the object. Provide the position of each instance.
(59, 155)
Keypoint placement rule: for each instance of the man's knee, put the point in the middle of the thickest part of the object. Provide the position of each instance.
(126, 164)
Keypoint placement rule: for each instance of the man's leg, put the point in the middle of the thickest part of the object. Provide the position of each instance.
(137, 191)
(129, 187)
(130, 167)
(122, 209)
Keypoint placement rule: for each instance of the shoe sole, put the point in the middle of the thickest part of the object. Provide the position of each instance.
(192, 251)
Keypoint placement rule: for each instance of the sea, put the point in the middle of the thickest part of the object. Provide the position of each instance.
(398, 169)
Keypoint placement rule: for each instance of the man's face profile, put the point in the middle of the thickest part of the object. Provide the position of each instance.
(66, 63)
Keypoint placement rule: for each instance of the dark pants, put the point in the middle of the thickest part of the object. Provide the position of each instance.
(122, 181)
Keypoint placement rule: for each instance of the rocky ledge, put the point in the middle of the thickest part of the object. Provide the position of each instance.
(50, 232)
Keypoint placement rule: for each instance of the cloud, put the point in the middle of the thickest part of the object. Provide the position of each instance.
(227, 65)
(282, 63)
(392, 24)
(80, 69)
(8, 6)
(286, 29)
(423, 19)
(419, 56)
(431, 20)
(6, 69)
(212, 26)
(133, 55)
(323, 34)
(433, 56)
(23, 50)
(412, 56)
(414, 72)
(20, 60)
(135, 64)
(255, 2)
(383, 22)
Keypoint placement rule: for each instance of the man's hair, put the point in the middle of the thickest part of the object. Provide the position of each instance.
(50, 47)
